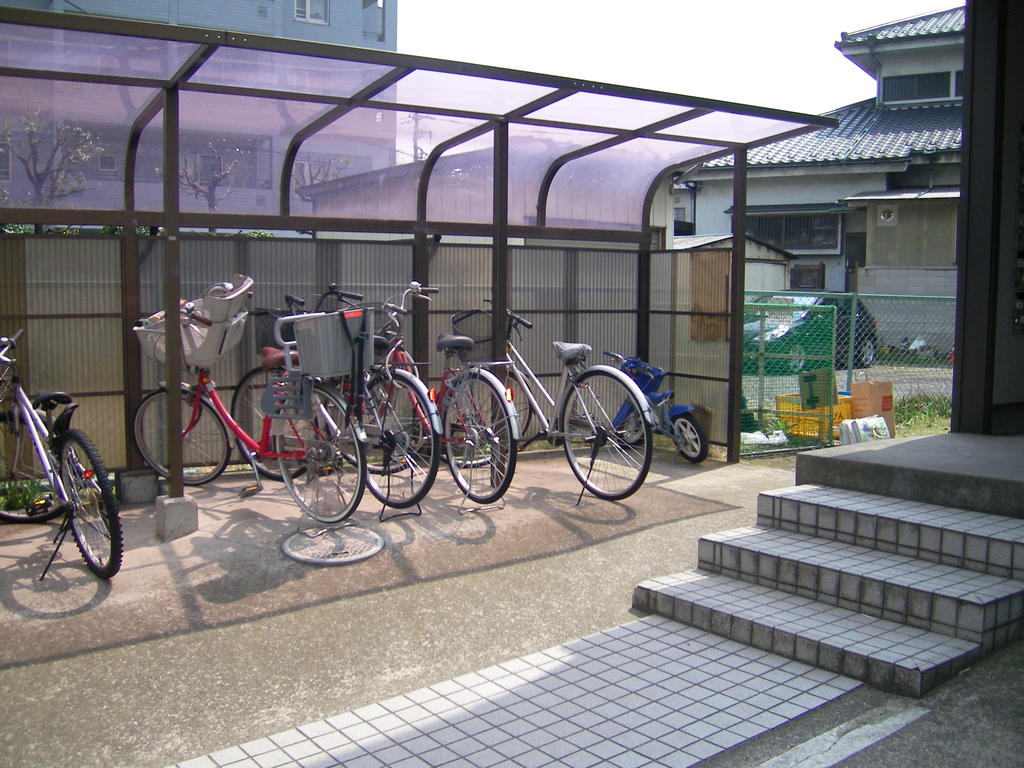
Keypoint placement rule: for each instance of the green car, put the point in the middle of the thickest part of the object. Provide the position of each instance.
(795, 333)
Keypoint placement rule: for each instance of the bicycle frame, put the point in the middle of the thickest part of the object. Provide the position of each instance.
(204, 388)
(41, 438)
(518, 366)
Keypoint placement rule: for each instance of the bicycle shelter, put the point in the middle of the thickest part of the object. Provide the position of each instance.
(330, 138)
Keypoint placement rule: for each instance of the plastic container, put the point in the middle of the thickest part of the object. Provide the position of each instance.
(325, 346)
(813, 422)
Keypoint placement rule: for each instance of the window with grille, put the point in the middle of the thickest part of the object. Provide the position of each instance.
(796, 231)
(313, 11)
(931, 85)
(373, 19)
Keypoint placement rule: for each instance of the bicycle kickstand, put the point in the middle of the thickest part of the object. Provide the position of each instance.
(58, 540)
(253, 488)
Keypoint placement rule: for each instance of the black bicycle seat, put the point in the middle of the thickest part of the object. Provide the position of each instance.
(50, 400)
(450, 342)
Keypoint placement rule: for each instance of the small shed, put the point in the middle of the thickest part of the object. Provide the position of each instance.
(767, 267)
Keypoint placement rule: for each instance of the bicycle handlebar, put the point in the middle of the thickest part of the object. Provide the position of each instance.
(7, 343)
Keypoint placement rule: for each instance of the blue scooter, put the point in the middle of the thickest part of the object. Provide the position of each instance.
(678, 422)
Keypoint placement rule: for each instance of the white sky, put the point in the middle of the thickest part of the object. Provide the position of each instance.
(772, 53)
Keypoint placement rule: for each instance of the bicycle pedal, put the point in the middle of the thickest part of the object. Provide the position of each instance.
(249, 490)
(39, 507)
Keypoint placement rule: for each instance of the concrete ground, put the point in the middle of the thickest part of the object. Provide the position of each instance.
(218, 639)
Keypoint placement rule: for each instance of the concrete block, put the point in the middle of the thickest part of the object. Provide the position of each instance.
(176, 517)
(136, 486)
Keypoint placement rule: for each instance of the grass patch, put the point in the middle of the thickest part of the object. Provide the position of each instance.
(922, 414)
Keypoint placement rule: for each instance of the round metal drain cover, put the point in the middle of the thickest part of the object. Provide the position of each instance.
(333, 546)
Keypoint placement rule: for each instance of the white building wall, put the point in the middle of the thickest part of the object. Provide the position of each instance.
(804, 186)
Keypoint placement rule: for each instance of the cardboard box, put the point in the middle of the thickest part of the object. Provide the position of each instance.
(874, 398)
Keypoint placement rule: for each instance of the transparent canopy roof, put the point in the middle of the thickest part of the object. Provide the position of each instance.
(291, 134)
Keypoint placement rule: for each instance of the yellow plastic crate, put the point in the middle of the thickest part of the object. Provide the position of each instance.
(812, 422)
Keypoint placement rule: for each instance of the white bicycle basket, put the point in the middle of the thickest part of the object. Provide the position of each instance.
(202, 344)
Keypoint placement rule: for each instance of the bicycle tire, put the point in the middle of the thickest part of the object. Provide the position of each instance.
(95, 518)
(606, 464)
(480, 435)
(334, 477)
(206, 449)
(248, 414)
(690, 437)
(14, 472)
(403, 449)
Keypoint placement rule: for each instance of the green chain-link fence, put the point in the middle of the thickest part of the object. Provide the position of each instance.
(791, 339)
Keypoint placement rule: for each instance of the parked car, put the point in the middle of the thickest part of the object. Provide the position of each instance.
(800, 339)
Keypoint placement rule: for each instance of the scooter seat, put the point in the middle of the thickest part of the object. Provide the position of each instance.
(657, 398)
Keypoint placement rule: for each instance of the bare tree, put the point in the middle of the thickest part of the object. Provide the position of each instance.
(207, 174)
(51, 155)
(310, 172)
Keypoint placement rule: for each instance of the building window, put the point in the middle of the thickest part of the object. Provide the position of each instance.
(373, 19)
(313, 11)
(108, 163)
(957, 84)
(796, 231)
(807, 277)
(5, 165)
(931, 85)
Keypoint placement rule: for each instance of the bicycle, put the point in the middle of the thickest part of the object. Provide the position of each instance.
(678, 422)
(308, 426)
(605, 462)
(400, 420)
(246, 407)
(480, 430)
(71, 467)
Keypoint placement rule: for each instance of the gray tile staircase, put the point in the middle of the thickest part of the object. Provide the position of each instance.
(898, 593)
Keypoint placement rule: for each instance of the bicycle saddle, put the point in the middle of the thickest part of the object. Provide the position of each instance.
(450, 342)
(47, 401)
(272, 357)
(570, 351)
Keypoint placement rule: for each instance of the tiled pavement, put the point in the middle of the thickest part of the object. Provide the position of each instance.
(653, 692)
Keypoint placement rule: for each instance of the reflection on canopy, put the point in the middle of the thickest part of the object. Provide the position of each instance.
(281, 131)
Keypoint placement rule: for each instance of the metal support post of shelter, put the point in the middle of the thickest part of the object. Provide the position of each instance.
(736, 289)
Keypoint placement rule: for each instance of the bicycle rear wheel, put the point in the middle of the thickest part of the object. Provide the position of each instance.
(205, 448)
(609, 463)
(479, 435)
(95, 520)
(331, 484)
(247, 412)
(402, 447)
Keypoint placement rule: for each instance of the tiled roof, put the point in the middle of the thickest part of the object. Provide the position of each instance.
(866, 132)
(938, 23)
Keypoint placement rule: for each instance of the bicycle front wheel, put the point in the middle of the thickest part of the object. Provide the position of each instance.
(95, 519)
(479, 436)
(205, 447)
(402, 448)
(608, 462)
(330, 454)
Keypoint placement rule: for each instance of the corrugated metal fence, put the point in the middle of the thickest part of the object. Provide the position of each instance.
(68, 293)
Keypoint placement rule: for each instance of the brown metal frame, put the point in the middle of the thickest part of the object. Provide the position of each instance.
(172, 220)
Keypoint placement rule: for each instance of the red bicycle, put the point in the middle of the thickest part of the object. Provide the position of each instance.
(310, 428)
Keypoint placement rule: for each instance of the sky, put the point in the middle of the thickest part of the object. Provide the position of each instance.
(772, 53)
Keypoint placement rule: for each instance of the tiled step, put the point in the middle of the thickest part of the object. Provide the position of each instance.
(972, 606)
(977, 541)
(887, 655)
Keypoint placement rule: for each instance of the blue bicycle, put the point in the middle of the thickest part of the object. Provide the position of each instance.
(678, 422)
